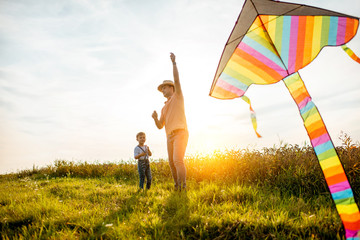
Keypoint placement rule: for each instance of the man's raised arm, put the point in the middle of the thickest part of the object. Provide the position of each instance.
(176, 74)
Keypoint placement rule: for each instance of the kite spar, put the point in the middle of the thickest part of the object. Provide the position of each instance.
(272, 41)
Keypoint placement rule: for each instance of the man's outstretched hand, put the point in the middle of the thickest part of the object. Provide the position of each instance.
(154, 115)
(172, 57)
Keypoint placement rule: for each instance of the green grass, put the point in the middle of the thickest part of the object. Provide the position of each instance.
(276, 193)
(69, 208)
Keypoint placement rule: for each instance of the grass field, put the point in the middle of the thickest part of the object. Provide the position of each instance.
(276, 193)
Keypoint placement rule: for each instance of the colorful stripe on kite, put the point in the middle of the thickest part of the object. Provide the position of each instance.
(299, 39)
(336, 179)
(277, 46)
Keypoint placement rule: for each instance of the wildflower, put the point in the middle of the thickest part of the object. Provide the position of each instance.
(109, 225)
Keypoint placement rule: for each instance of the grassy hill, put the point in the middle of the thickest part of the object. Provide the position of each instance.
(276, 193)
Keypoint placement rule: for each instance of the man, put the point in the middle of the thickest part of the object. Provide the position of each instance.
(174, 120)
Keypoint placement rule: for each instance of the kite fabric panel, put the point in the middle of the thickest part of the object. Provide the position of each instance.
(277, 46)
(334, 173)
(272, 41)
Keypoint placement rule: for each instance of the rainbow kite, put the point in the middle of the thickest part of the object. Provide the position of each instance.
(272, 41)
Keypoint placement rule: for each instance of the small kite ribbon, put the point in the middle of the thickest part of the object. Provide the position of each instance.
(350, 53)
(252, 115)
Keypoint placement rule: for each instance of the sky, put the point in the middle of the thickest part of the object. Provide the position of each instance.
(78, 80)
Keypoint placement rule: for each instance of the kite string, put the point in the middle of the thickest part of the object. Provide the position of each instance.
(350, 53)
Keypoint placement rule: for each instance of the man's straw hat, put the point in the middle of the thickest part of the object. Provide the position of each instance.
(166, 82)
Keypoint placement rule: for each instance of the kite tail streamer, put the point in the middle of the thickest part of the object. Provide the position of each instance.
(252, 115)
(350, 53)
(331, 166)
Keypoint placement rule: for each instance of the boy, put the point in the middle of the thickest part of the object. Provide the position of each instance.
(142, 153)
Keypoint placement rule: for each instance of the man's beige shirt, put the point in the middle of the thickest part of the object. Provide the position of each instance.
(173, 113)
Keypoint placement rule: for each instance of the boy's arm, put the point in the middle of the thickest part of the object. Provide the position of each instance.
(148, 150)
(176, 75)
(139, 155)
